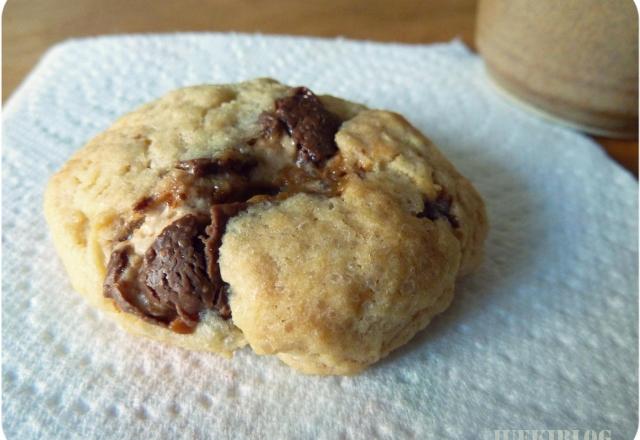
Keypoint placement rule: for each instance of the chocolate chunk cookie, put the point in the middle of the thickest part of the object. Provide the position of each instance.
(306, 226)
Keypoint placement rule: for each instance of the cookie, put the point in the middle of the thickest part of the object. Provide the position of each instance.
(306, 226)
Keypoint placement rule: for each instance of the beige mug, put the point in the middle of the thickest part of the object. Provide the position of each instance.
(576, 60)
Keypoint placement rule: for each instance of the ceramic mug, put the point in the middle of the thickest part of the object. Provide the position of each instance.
(576, 60)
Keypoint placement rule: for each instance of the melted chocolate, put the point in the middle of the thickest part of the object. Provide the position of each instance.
(115, 286)
(173, 273)
(180, 275)
(206, 166)
(439, 208)
(220, 215)
(311, 126)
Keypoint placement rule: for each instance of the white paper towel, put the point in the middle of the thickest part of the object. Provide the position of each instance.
(543, 336)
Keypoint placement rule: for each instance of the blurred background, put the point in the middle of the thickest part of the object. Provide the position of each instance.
(30, 27)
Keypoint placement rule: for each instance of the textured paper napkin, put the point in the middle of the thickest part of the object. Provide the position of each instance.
(544, 335)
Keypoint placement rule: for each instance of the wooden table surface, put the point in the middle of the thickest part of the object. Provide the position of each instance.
(29, 27)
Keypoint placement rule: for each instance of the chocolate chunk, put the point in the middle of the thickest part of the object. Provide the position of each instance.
(194, 182)
(220, 215)
(207, 166)
(179, 276)
(271, 125)
(144, 203)
(174, 270)
(129, 228)
(309, 124)
(127, 293)
(440, 207)
(114, 286)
